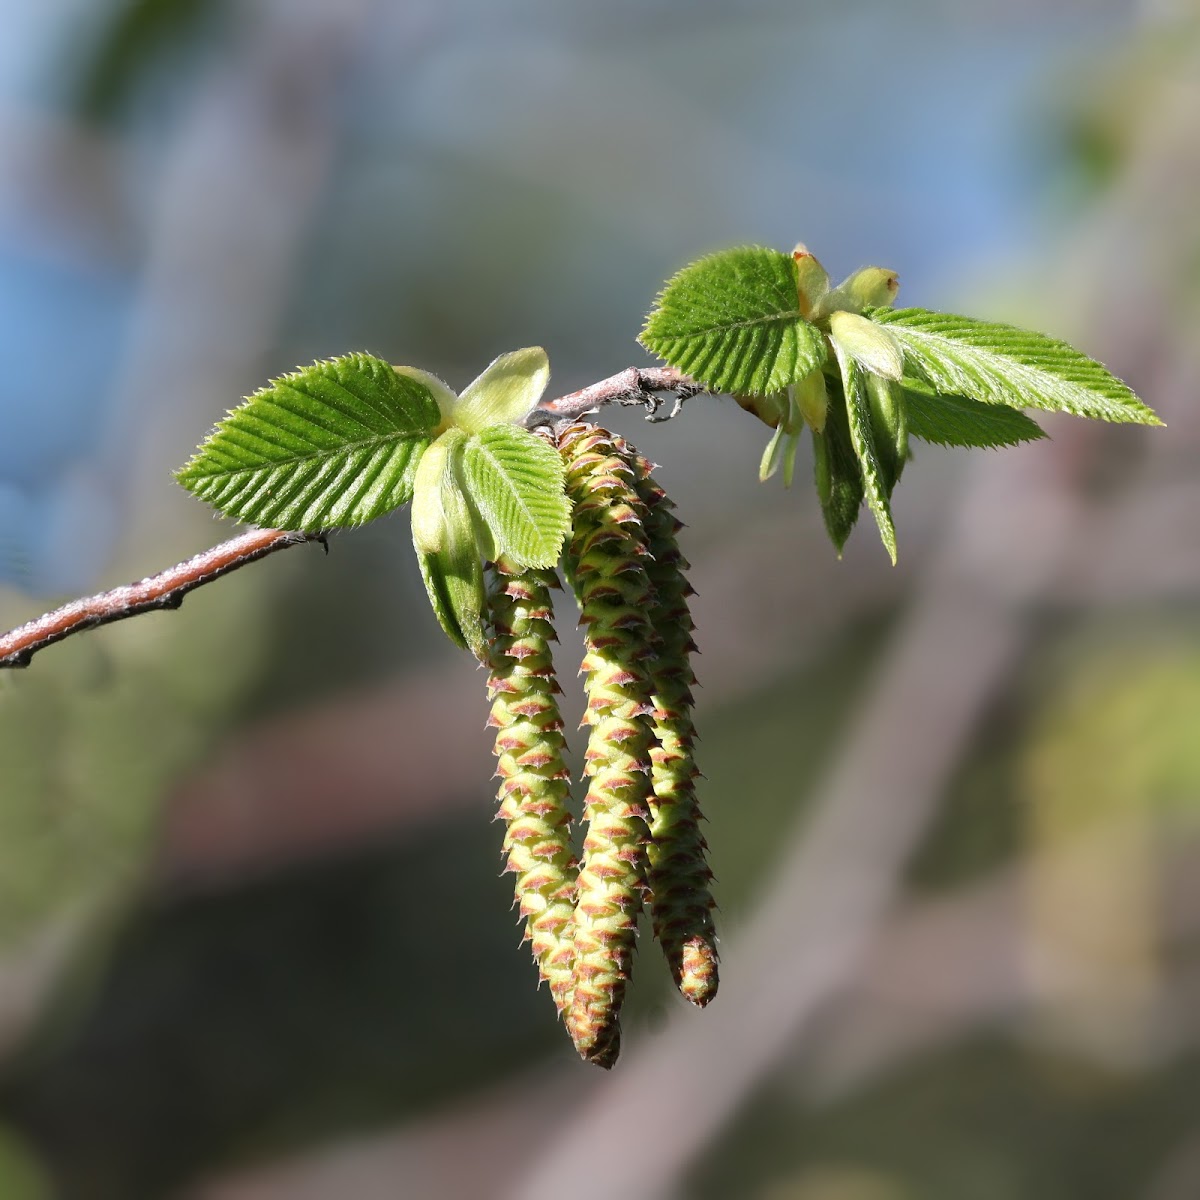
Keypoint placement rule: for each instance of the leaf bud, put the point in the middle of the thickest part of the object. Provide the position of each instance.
(812, 280)
(870, 287)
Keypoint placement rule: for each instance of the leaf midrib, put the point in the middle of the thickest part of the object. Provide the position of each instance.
(1006, 358)
(1119, 401)
(795, 315)
(496, 464)
(345, 449)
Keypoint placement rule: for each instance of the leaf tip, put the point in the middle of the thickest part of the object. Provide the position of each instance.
(888, 534)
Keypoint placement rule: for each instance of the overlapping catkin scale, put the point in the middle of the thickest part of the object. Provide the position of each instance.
(680, 901)
(606, 563)
(534, 781)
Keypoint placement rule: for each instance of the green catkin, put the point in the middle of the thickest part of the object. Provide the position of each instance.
(535, 784)
(606, 561)
(681, 904)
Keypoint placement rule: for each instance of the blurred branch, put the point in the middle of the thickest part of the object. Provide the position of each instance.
(946, 968)
(167, 589)
(942, 970)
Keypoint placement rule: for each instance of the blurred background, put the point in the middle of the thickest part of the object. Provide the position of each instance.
(253, 939)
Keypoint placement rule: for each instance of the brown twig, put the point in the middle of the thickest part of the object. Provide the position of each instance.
(635, 385)
(164, 590)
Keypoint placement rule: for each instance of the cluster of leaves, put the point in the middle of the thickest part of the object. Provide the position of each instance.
(345, 441)
(769, 329)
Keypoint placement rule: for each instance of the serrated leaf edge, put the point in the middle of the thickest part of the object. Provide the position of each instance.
(550, 546)
(859, 416)
(794, 319)
(197, 477)
(908, 325)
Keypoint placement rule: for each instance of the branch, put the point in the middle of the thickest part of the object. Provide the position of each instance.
(164, 590)
(635, 385)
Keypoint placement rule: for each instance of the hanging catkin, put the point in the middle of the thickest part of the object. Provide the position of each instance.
(606, 562)
(534, 780)
(680, 901)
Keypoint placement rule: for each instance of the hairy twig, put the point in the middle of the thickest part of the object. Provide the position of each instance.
(164, 590)
(633, 386)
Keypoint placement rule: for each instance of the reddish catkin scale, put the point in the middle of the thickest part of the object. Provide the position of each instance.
(680, 901)
(535, 784)
(606, 562)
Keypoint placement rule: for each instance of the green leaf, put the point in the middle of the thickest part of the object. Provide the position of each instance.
(455, 586)
(329, 445)
(836, 471)
(772, 455)
(781, 449)
(789, 456)
(870, 287)
(812, 399)
(506, 392)
(447, 540)
(434, 491)
(443, 395)
(811, 277)
(957, 421)
(732, 321)
(770, 410)
(1001, 364)
(874, 348)
(889, 426)
(515, 480)
(858, 415)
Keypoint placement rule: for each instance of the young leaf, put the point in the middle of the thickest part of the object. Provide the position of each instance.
(858, 415)
(957, 421)
(454, 583)
(434, 486)
(836, 471)
(889, 426)
(329, 445)
(506, 392)
(781, 449)
(869, 287)
(733, 322)
(789, 456)
(812, 399)
(447, 537)
(874, 348)
(443, 395)
(770, 410)
(515, 480)
(812, 278)
(1001, 364)
(772, 454)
